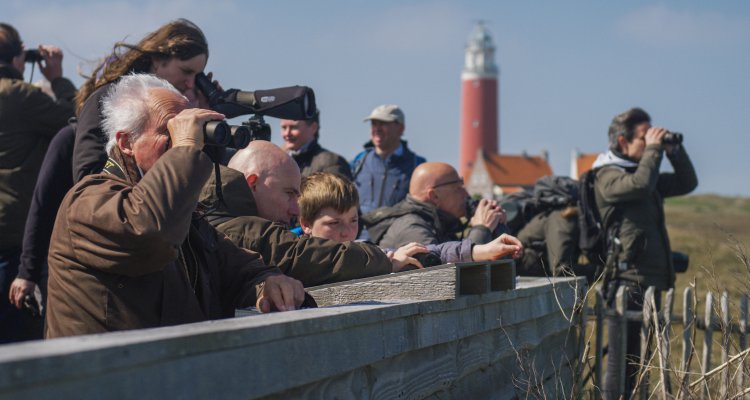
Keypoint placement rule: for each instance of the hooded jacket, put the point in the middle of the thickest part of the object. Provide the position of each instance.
(637, 192)
(127, 255)
(313, 261)
(414, 221)
(29, 119)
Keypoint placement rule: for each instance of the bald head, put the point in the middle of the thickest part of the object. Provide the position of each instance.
(274, 178)
(439, 184)
(428, 175)
(260, 158)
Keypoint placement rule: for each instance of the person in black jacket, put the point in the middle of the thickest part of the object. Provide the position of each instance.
(29, 119)
(176, 52)
(301, 142)
(55, 179)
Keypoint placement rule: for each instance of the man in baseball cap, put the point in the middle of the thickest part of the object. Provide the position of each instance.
(383, 170)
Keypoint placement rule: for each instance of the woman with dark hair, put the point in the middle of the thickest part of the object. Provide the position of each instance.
(176, 52)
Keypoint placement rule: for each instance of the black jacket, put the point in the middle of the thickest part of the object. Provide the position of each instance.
(317, 159)
(28, 120)
(89, 154)
(55, 179)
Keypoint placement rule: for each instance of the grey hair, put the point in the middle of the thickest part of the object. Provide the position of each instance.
(126, 106)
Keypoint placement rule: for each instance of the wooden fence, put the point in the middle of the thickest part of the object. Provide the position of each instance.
(730, 379)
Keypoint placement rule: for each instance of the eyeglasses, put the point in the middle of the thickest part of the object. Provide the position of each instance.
(459, 180)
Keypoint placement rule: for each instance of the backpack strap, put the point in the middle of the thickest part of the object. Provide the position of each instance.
(359, 162)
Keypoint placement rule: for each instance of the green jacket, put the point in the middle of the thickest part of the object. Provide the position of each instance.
(638, 195)
(29, 118)
(550, 243)
(313, 261)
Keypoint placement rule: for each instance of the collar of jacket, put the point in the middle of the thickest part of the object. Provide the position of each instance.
(238, 198)
(9, 71)
(307, 151)
(370, 146)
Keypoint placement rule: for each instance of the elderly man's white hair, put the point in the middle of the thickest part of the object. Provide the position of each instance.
(126, 106)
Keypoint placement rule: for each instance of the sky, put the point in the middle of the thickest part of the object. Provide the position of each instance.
(566, 68)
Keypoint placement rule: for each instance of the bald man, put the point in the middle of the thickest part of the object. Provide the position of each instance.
(431, 213)
(260, 190)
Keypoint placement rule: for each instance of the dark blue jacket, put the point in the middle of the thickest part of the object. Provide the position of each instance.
(383, 183)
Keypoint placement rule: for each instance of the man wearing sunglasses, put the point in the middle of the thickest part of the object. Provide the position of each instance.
(431, 213)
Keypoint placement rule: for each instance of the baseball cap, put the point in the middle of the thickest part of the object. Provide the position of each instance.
(387, 113)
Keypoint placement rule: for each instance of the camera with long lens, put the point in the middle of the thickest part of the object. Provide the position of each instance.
(33, 56)
(672, 138)
(293, 102)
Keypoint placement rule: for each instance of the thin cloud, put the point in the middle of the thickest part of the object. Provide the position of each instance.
(419, 28)
(660, 26)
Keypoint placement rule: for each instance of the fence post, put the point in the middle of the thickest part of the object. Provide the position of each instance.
(646, 329)
(599, 310)
(726, 330)
(621, 308)
(662, 337)
(688, 321)
(742, 320)
(707, 341)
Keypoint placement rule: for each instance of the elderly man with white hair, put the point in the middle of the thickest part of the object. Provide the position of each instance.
(128, 250)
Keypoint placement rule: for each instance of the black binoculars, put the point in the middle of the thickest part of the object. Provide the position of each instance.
(219, 133)
(672, 138)
(33, 56)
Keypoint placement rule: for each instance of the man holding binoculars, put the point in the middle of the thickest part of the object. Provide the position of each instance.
(29, 118)
(128, 249)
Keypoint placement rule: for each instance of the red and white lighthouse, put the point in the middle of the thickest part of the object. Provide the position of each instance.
(479, 100)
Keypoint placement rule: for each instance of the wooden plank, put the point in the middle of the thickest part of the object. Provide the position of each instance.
(473, 279)
(726, 330)
(503, 276)
(742, 371)
(599, 332)
(688, 326)
(435, 283)
(648, 326)
(707, 341)
(662, 343)
(621, 306)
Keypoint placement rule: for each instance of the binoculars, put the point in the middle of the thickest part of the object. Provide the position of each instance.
(219, 133)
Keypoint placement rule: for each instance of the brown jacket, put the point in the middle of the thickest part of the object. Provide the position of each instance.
(126, 256)
(313, 261)
(29, 118)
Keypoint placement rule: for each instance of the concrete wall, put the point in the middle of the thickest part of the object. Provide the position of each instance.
(474, 346)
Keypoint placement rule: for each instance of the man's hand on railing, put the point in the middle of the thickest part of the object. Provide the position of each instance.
(502, 246)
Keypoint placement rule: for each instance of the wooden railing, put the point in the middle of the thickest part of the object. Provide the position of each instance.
(497, 343)
(730, 379)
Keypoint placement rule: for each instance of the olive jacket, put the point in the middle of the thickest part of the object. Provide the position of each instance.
(126, 256)
(635, 196)
(29, 119)
(550, 243)
(313, 261)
